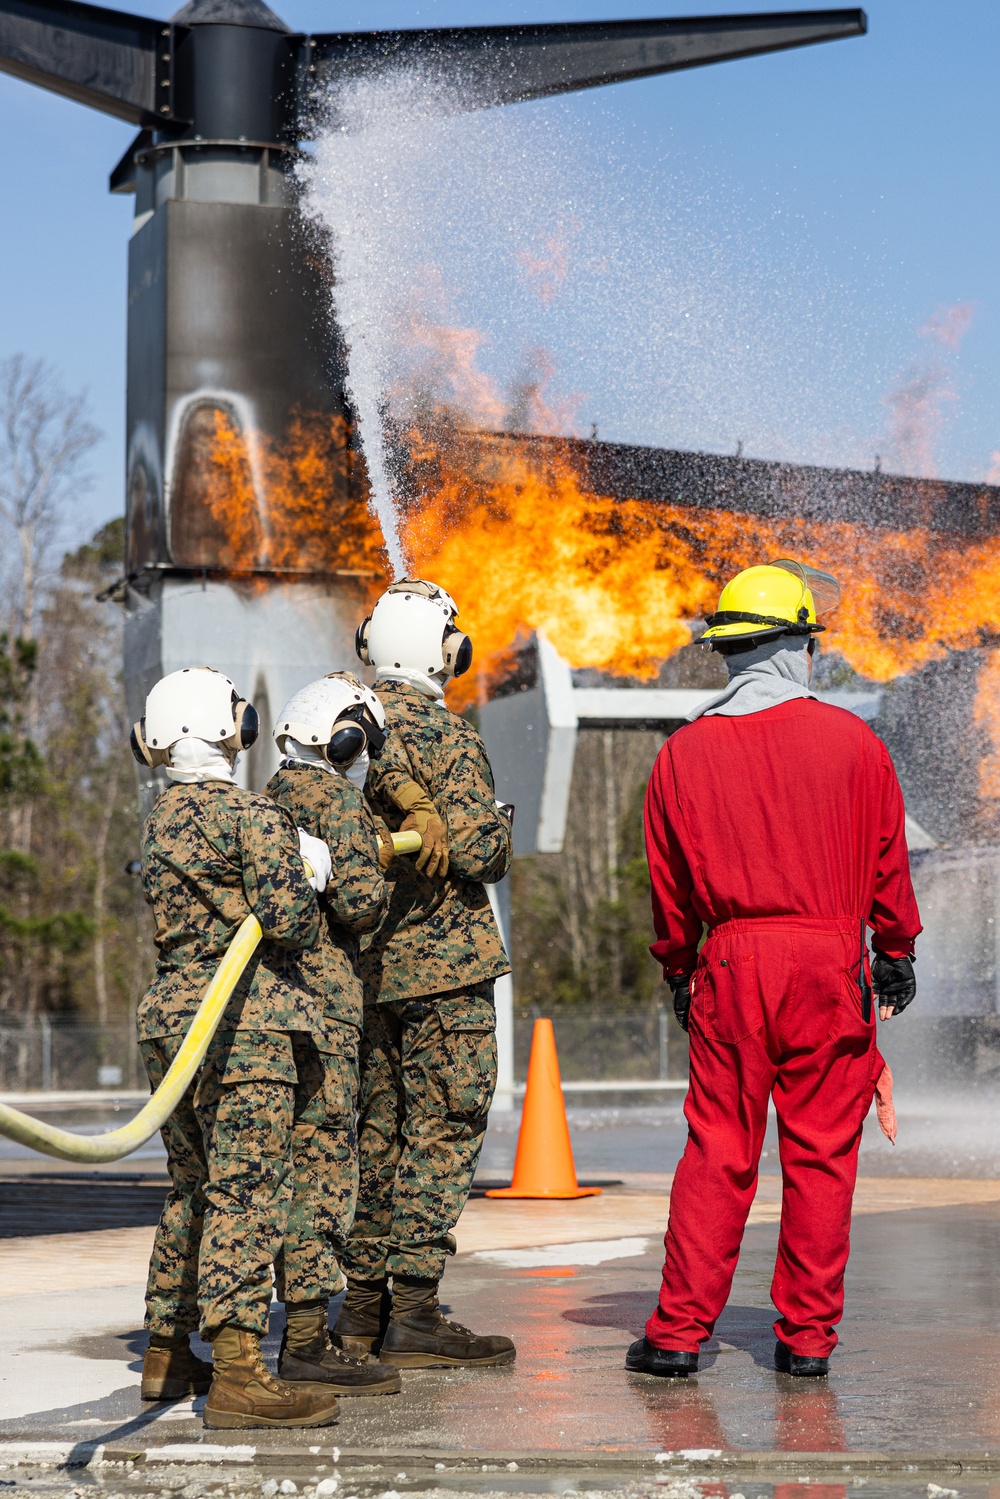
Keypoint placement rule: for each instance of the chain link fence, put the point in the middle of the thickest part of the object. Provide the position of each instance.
(636, 1043)
(69, 1058)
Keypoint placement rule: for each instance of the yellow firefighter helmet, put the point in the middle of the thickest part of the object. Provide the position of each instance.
(779, 598)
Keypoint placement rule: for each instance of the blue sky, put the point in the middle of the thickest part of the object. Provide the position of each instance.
(805, 215)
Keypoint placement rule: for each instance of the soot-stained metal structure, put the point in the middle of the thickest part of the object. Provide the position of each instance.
(756, 486)
(228, 302)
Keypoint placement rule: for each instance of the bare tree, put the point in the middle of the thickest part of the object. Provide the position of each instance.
(610, 771)
(581, 922)
(101, 890)
(74, 930)
(45, 436)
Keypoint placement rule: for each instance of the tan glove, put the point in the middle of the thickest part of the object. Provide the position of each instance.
(428, 822)
(385, 848)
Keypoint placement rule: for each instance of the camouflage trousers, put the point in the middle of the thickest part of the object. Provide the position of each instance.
(428, 1071)
(262, 1155)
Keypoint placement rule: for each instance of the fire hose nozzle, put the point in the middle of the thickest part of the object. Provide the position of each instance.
(407, 843)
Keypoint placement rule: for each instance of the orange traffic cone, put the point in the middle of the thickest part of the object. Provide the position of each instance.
(543, 1166)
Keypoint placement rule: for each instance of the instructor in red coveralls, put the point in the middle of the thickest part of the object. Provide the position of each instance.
(776, 822)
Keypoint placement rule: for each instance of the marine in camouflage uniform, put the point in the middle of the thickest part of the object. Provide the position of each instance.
(326, 1148)
(428, 1049)
(211, 854)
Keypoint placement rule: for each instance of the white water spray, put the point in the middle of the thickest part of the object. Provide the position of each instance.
(685, 318)
(360, 188)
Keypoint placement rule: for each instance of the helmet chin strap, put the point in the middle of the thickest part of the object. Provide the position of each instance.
(429, 686)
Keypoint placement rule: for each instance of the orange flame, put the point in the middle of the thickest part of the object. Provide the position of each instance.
(289, 505)
(615, 584)
(445, 382)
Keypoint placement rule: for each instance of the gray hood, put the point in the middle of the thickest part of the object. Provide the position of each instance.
(776, 672)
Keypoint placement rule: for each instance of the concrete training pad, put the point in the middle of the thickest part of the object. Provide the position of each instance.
(915, 1372)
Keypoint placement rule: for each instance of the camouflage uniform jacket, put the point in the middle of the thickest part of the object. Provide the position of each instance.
(438, 934)
(211, 854)
(331, 808)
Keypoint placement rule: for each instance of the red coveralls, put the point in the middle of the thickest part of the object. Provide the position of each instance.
(782, 831)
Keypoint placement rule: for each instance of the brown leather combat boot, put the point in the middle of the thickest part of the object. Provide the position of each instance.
(363, 1318)
(170, 1371)
(307, 1353)
(246, 1394)
(419, 1337)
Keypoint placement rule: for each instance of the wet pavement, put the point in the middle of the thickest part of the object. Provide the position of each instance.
(952, 1131)
(917, 1371)
(912, 1400)
(325, 1480)
(942, 1132)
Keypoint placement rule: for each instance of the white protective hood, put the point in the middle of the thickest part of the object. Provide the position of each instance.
(194, 760)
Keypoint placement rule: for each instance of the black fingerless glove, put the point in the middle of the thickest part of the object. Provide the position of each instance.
(680, 985)
(894, 981)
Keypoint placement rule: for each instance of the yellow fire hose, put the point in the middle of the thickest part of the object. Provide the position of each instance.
(67, 1146)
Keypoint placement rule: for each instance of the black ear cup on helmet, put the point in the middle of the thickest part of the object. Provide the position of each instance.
(137, 744)
(361, 640)
(374, 734)
(456, 649)
(346, 744)
(247, 724)
(463, 659)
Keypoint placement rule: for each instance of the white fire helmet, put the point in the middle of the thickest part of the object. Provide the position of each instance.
(412, 628)
(338, 716)
(196, 702)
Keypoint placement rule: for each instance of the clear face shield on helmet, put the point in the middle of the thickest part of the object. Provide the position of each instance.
(824, 588)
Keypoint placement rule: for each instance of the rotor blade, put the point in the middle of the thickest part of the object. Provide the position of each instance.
(111, 60)
(503, 64)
